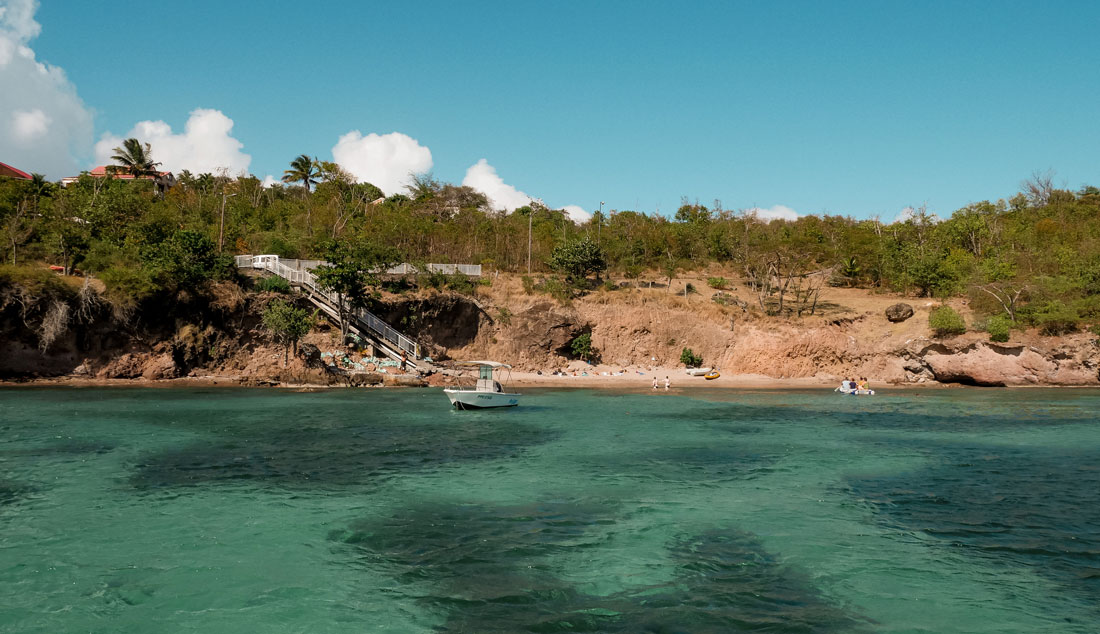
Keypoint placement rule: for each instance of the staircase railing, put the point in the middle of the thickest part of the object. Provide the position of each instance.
(308, 280)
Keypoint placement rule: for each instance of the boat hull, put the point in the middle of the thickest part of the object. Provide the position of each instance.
(472, 399)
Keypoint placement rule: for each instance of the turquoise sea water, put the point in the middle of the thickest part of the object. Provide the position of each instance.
(145, 510)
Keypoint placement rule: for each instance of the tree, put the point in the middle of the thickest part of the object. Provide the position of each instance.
(135, 158)
(302, 170)
(582, 347)
(690, 359)
(351, 270)
(577, 258)
(287, 324)
(850, 270)
(186, 259)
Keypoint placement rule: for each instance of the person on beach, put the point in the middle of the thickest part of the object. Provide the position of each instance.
(654, 382)
(668, 383)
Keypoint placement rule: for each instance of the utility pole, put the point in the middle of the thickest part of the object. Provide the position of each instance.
(599, 226)
(221, 224)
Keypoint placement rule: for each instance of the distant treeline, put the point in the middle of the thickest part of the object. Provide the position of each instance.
(1034, 257)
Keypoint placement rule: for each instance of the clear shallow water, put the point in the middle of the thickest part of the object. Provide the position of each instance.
(382, 511)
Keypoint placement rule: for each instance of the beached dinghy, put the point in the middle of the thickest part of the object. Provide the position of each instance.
(487, 392)
(848, 387)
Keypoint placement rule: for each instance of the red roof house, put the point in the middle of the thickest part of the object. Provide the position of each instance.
(110, 171)
(11, 172)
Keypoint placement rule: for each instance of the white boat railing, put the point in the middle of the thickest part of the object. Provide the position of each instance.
(309, 280)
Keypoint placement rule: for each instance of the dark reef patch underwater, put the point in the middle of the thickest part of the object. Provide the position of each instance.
(133, 510)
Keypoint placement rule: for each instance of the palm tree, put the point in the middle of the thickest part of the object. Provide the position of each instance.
(135, 158)
(302, 170)
(40, 188)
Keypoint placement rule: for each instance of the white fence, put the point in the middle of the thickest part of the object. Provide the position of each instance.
(473, 270)
(307, 279)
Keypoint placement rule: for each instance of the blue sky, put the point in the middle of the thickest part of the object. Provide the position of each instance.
(855, 108)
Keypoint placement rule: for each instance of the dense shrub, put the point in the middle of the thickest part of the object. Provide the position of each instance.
(945, 321)
(690, 359)
(558, 289)
(435, 279)
(999, 327)
(719, 283)
(461, 283)
(1056, 318)
(274, 284)
(582, 347)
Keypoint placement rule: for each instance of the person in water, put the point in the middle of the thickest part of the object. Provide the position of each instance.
(668, 383)
(654, 382)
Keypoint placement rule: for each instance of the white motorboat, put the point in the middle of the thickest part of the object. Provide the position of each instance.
(487, 392)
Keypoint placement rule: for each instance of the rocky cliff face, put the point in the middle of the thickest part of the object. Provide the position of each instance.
(651, 330)
(220, 335)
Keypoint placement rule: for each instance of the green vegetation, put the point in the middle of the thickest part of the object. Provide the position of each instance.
(999, 328)
(945, 321)
(1033, 257)
(719, 283)
(287, 324)
(273, 284)
(577, 259)
(581, 347)
(135, 158)
(690, 359)
(352, 272)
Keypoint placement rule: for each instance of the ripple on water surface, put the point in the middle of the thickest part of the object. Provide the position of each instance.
(349, 511)
(492, 569)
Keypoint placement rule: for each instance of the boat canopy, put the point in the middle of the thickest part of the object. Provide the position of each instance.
(482, 364)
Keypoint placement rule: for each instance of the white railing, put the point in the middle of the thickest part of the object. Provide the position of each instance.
(309, 280)
(473, 270)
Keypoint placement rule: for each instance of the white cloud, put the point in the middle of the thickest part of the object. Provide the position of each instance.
(777, 212)
(904, 214)
(578, 214)
(270, 180)
(385, 160)
(484, 178)
(204, 146)
(28, 125)
(45, 125)
(912, 213)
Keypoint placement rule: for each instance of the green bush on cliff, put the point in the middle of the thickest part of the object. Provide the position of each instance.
(690, 359)
(945, 321)
(1056, 318)
(582, 347)
(999, 327)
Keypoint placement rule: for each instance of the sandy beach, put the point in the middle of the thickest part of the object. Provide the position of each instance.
(679, 379)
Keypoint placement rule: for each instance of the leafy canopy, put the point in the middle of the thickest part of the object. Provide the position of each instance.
(578, 258)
